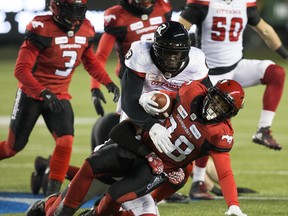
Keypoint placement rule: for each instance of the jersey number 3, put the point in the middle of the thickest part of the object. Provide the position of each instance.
(220, 28)
(69, 65)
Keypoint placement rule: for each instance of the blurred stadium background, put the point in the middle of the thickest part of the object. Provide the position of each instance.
(254, 166)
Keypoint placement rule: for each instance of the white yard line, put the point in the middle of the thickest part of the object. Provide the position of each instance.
(258, 198)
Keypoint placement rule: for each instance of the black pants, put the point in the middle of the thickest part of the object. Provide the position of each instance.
(25, 114)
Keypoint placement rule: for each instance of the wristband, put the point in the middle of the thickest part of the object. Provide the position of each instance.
(282, 51)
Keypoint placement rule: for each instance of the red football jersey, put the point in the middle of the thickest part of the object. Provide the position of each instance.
(193, 138)
(128, 27)
(123, 26)
(49, 56)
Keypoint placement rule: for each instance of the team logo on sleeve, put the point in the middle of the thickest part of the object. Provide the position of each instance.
(36, 24)
(128, 54)
(228, 138)
(109, 17)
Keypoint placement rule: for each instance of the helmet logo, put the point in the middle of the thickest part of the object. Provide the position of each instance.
(161, 28)
(128, 54)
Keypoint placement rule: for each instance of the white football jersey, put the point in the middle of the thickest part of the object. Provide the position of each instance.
(222, 31)
(138, 59)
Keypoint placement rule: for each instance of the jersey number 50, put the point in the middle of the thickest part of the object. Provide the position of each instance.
(220, 28)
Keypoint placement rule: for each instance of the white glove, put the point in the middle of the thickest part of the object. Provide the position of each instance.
(160, 137)
(235, 210)
(148, 104)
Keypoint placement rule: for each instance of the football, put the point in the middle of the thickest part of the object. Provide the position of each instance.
(165, 104)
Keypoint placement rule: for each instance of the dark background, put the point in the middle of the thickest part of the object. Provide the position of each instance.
(274, 12)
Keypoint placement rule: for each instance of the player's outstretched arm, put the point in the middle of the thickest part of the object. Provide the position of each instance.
(271, 38)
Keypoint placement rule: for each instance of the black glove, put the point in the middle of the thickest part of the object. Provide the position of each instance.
(97, 96)
(53, 102)
(115, 90)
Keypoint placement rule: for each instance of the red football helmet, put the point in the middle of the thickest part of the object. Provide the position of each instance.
(69, 13)
(144, 6)
(223, 100)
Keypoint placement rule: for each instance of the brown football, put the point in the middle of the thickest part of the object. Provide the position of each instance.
(165, 104)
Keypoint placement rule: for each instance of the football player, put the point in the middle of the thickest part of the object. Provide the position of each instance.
(170, 61)
(124, 23)
(54, 46)
(223, 31)
(221, 24)
(199, 125)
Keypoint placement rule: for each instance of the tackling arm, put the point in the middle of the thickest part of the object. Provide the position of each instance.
(124, 134)
(132, 86)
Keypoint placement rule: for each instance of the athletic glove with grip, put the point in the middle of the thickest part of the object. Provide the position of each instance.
(155, 163)
(97, 96)
(115, 90)
(176, 177)
(53, 102)
(161, 139)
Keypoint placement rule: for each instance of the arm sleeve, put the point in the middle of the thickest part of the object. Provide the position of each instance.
(124, 134)
(253, 16)
(103, 51)
(26, 59)
(226, 178)
(195, 13)
(94, 67)
(132, 86)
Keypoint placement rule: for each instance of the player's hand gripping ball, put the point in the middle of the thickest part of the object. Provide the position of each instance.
(157, 104)
(164, 104)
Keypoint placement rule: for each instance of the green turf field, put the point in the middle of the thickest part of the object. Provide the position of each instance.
(255, 166)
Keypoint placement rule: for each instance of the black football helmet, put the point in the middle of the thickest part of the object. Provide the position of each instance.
(171, 48)
(141, 6)
(69, 13)
(223, 101)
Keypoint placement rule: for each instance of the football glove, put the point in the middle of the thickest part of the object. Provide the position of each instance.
(115, 90)
(97, 96)
(176, 177)
(55, 105)
(160, 137)
(155, 163)
(148, 104)
(235, 210)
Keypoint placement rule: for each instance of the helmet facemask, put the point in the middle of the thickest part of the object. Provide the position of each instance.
(171, 48)
(143, 6)
(69, 15)
(218, 106)
(171, 60)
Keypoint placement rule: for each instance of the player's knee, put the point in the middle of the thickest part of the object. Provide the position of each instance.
(6, 150)
(274, 74)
